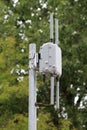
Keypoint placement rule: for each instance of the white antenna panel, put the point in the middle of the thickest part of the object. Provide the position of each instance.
(51, 59)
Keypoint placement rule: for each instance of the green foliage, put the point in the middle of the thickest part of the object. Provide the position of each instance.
(45, 120)
(13, 106)
(26, 22)
(65, 124)
(18, 121)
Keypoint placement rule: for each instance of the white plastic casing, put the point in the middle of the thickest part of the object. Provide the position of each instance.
(51, 59)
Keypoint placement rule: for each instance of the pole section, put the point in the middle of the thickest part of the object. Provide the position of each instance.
(52, 91)
(52, 78)
(57, 95)
(51, 27)
(57, 83)
(32, 88)
(56, 32)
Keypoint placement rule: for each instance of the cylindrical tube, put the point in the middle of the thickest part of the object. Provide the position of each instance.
(57, 95)
(51, 26)
(32, 88)
(52, 91)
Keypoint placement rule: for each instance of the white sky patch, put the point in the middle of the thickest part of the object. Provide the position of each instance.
(22, 50)
(23, 72)
(37, 14)
(84, 126)
(30, 26)
(85, 98)
(40, 30)
(20, 78)
(22, 35)
(84, 83)
(28, 21)
(19, 22)
(22, 26)
(15, 2)
(82, 103)
(74, 33)
(6, 16)
(44, 5)
(80, 71)
(17, 66)
(31, 8)
(71, 85)
(56, 9)
(40, 18)
(83, 18)
(76, 0)
(32, 14)
(18, 71)
(76, 99)
(12, 71)
(39, 9)
(78, 89)
(64, 113)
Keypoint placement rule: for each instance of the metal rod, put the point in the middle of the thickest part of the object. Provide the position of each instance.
(52, 91)
(43, 105)
(57, 95)
(35, 96)
(32, 88)
(51, 26)
(56, 32)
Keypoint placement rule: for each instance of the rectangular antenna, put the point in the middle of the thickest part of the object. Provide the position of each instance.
(51, 26)
(56, 32)
(57, 95)
(52, 91)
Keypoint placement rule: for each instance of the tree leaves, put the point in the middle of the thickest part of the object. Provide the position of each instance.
(27, 22)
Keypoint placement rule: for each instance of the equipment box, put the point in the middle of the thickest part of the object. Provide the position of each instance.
(51, 59)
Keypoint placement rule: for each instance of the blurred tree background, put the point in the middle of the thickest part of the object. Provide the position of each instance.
(27, 21)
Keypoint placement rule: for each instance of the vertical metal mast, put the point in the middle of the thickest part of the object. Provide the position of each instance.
(57, 83)
(52, 78)
(32, 88)
(56, 32)
(57, 95)
(51, 27)
(52, 91)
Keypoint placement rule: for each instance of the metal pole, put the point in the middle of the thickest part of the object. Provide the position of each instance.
(51, 26)
(52, 91)
(57, 95)
(32, 88)
(57, 42)
(56, 32)
(35, 92)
